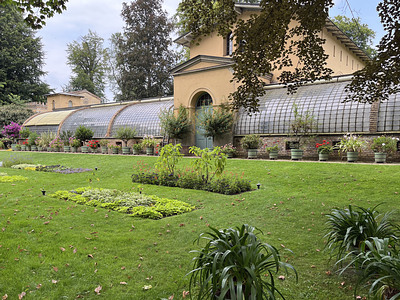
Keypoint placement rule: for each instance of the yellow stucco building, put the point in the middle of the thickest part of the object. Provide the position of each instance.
(71, 99)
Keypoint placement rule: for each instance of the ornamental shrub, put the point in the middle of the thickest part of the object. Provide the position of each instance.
(175, 126)
(216, 122)
(11, 131)
(83, 133)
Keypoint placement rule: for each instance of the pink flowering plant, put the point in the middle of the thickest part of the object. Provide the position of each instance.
(228, 148)
(11, 131)
(74, 142)
(56, 143)
(324, 148)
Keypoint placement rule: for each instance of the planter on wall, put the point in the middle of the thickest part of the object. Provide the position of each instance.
(352, 156)
(34, 148)
(85, 149)
(380, 157)
(67, 148)
(114, 150)
(323, 156)
(74, 149)
(126, 150)
(104, 149)
(135, 151)
(149, 151)
(273, 155)
(296, 154)
(251, 153)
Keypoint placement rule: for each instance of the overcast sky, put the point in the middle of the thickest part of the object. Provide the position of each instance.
(104, 18)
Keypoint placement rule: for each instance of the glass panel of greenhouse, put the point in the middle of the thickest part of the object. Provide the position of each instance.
(389, 114)
(96, 118)
(322, 101)
(142, 116)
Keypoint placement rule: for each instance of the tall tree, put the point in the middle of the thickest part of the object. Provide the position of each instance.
(144, 56)
(36, 11)
(360, 33)
(21, 58)
(88, 60)
(266, 42)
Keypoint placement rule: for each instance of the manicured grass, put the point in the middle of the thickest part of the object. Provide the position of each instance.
(80, 247)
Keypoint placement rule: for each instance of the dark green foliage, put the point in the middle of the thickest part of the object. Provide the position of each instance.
(21, 58)
(347, 229)
(216, 122)
(14, 113)
(24, 133)
(381, 76)
(32, 138)
(380, 266)
(143, 54)
(233, 265)
(175, 126)
(87, 58)
(83, 133)
(359, 33)
(36, 11)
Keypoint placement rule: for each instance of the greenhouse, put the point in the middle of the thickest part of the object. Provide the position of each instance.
(323, 100)
(105, 119)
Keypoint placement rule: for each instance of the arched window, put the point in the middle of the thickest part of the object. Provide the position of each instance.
(204, 100)
(229, 44)
(54, 105)
(70, 103)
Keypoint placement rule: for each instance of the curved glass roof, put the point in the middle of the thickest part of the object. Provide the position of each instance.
(49, 118)
(323, 101)
(96, 118)
(389, 114)
(144, 116)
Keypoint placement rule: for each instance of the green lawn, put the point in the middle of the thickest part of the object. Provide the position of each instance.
(52, 249)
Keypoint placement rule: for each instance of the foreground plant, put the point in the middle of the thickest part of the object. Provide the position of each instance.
(233, 265)
(349, 228)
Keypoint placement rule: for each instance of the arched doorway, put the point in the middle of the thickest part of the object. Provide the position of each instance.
(204, 103)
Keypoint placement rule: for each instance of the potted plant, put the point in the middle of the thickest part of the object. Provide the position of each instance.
(125, 134)
(25, 145)
(137, 148)
(56, 144)
(93, 145)
(45, 139)
(351, 145)
(114, 148)
(149, 143)
(323, 150)
(103, 145)
(32, 141)
(175, 126)
(83, 134)
(251, 143)
(382, 146)
(74, 143)
(65, 136)
(229, 150)
(11, 131)
(272, 150)
(299, 129)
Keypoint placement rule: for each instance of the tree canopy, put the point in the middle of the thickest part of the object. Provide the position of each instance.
(36, 11)
(265, 42)
(88, 60)
(21, 59)
(143, 54)
(359, 33)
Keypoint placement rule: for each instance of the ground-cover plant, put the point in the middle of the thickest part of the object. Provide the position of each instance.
(134, 204)
(4, 178)
(348, 228)
(52, 168)
(16, 159)
(235, 264)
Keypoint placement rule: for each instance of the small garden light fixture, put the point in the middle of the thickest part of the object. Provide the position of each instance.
(258, 185)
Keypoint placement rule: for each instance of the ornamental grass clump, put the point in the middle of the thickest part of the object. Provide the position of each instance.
(350, 143)
(235, 264)
(348, 228)
(380, 268)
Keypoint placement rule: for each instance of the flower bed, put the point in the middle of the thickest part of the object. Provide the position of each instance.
(53, 168)
(134, 204)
